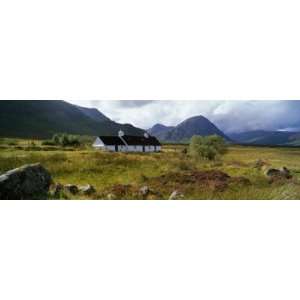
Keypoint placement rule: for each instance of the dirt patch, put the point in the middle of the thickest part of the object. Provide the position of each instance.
(214, 180)
(187, 182)
(193, 177)
(120, 190)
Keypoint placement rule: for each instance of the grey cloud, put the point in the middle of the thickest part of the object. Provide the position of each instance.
(254, 115)
(229, 116)
(133, 103)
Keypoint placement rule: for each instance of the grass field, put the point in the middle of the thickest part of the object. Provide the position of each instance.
(123, 174)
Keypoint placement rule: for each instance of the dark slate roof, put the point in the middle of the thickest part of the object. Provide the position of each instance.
(141, 140)
(111, 140)
(130, 140)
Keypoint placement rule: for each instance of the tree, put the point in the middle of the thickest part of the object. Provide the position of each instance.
(207, 147)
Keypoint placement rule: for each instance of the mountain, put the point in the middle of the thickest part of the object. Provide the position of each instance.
(160, 131)
(43, 118)
(262, 137)
(197, 125)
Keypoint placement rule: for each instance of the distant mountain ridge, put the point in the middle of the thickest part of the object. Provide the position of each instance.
(197, 125)
(263, 137)
(160, 131)
(43, 118)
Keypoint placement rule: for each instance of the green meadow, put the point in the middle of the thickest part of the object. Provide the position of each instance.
(123, 174)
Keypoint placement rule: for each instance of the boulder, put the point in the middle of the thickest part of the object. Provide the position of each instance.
(176, 195)
(278, 173)
(272, 172)
(144, 191)
(71, 188)
(87, 189)
(27, 182)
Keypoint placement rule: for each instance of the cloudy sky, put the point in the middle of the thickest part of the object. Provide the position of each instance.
(229, 116)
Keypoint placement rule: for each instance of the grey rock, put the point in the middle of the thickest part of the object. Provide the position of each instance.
(71, 188)
(272, 172)
(176, 195)
(279, 173)
(144, 191)
(87, 189)
(27, 182)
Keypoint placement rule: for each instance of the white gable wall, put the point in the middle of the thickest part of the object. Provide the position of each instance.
(98, 143)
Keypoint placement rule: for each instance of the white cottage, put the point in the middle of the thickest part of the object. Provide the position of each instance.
(128, 143)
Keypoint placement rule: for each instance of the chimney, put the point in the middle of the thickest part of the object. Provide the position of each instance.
(146, 135)
(121, 133)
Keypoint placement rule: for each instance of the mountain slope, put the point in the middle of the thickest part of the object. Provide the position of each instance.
(160, 131)
(273, 138)
(42, 118)
(197, 125)
(93, 113)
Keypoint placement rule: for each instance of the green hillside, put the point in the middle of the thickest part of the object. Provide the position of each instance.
(42, 118)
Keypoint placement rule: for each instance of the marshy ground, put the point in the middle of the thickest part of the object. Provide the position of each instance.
(121, 175)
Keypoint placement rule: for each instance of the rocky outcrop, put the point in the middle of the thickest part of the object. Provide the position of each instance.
(27, 182)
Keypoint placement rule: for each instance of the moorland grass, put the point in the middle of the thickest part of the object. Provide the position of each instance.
(104, 170)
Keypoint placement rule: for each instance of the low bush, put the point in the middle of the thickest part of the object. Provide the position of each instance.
(64, 140)
(207, 147)
(48, 143)
(12, 143)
